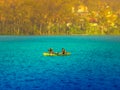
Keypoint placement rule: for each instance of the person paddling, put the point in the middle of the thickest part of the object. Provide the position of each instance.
(51, 51)
(63, 51)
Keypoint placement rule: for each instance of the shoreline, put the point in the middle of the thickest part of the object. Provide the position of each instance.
(69, 35)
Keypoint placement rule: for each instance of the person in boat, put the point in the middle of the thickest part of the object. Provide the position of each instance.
(63, 51)
(51, 51)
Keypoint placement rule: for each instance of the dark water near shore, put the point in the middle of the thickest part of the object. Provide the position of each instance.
(94, 63)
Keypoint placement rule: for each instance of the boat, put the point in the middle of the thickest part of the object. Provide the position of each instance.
(56, 54)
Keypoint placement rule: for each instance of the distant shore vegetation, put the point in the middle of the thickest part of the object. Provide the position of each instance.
(59, 17)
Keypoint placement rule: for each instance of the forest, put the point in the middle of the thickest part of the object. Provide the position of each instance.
(59, 17)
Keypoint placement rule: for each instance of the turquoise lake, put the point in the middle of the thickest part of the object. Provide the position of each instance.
(94, 63)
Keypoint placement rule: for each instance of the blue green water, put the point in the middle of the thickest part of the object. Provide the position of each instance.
(94, 63)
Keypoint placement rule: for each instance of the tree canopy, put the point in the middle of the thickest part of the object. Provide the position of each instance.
(46, 17)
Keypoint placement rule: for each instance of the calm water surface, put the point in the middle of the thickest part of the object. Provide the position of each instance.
(93, 65)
